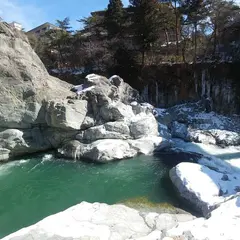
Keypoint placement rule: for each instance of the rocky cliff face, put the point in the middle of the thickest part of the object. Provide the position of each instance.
(26, 87)
(24, 81)
(39, 112)
(168, 85)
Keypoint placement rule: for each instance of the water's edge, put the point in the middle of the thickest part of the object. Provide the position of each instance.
(37, 186)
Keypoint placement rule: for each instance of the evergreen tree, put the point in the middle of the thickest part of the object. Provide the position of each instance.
(176, 6)
(59, 42)
(222, 14)
(64, 24)
(195, 11)
(114, 18)
(167, 19)
(146, 23)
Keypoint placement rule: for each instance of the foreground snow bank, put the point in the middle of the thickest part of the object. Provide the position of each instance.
(118, 222)
(222, 225)
(101, 221)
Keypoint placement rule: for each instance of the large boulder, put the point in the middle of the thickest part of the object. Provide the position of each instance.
(125, 92)
(205, 187)
(19, 116)
(143, 125)
(65, 115)
(110, 130)
(16, 142)
(24, 79)
(116, 111)
(113, 128)
(108, 150)
(149, 145)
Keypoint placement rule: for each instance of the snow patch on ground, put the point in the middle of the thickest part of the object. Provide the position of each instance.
(212, 120)
(209, 150)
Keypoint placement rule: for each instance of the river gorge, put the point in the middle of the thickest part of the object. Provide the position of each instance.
(95, 161)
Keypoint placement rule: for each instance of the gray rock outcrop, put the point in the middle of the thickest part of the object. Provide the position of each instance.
(39, 112)
(206, 184)
(26, 88)
(117, 130)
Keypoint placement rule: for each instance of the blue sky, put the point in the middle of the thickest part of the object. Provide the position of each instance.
(31, 13)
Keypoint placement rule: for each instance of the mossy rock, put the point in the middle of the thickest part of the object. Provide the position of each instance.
(144, 204)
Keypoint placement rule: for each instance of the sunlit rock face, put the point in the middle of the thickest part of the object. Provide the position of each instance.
(120, 126)
(222, 183)
(26, 87)
(39, 112)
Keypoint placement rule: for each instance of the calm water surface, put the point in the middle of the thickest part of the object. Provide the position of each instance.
(36, 187)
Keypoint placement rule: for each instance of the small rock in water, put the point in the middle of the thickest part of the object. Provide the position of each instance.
(47, 157)
(225, 177)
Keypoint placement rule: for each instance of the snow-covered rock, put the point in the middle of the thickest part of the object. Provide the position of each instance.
(110, 119)
(149, 145)
(229, 154)
(222, 225)
(226, 138)
(190, 123)
(100, 221)
(212, 136)
(200, 136)
(212, 120)
(206, 186)
(106, 150)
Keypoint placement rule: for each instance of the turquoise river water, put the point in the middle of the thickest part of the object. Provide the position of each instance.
(35, 187)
